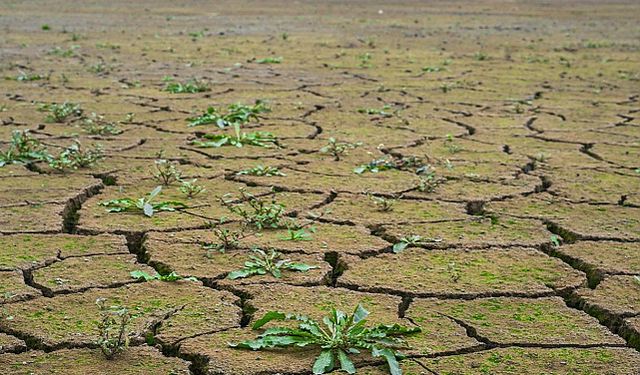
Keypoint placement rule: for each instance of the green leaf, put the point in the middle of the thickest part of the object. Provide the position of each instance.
(398, 247)
(359, 314)
(142, 275)
(239, 274)
(389, 355)
(345, 362)
(301, 267)
(269, 316)
(148, 209)
(324, 363)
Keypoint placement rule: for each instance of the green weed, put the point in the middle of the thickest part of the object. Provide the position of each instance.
(268, 263)
(143, 205)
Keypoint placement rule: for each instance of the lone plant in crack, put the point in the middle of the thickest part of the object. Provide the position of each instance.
(166, 172)
(238, 139)
(268, 263)
(261, 170)
(255, 211)
(191, 188)
(190, 87)
(96, 125)
(76, 157)
(239, 114)
(23, 149)
(338, 336)
(61, 112)
(413, 240)
(144, 205)
(337, 149)
(382, 204)
(113, 328)
(141, 275)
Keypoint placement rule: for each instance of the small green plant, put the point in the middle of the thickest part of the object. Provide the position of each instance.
(428, 181)
(377, 112)
(480, 56)
(226, 239)
(23, 149)
(240, 139)
(235, 114)
(25, 77)
(454, 271)
(113, 337)
(61, 112)
(255, 211)
(433, 69)
(382, 204)
(341, 335)
(555, 240)
(144, 204)
(298, 234)
(268, 263)
(191, 188)
(337, 149)
(190, 87)
(96, 125)
(365, 60)
(76, 157)
(166, 172)
(61, 52)
(375, 166)
(412, 240)
(451, 145)
(142, 275)
(45, 27)
(261, 170)
(269, 60)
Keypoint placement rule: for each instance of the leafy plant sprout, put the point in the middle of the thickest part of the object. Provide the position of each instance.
(96, 125)
(143, 204)
(142, 275)
(191, 188)
(227, 240)
(166, 172)
(113, 329)
(61, 112)
(298, 234)
(269, 60)
(240, 139)
(192, 86)
(76, 157)
(337, 149)
(255, 211)
(236, 114)
(261, 170)
(338, 336)
(412, 240)
(381, 204)
(23, 149)
(263, 263)
(451, 146)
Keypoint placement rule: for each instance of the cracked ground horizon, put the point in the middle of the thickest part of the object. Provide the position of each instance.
(471, 168)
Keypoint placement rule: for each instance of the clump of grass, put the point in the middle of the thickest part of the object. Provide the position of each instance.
(256, 211)
(192, 86)
(61, 112)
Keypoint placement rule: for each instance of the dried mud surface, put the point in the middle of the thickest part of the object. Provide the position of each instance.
(527, 113)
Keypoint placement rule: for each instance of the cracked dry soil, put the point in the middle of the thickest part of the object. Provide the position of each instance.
(528, 113)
